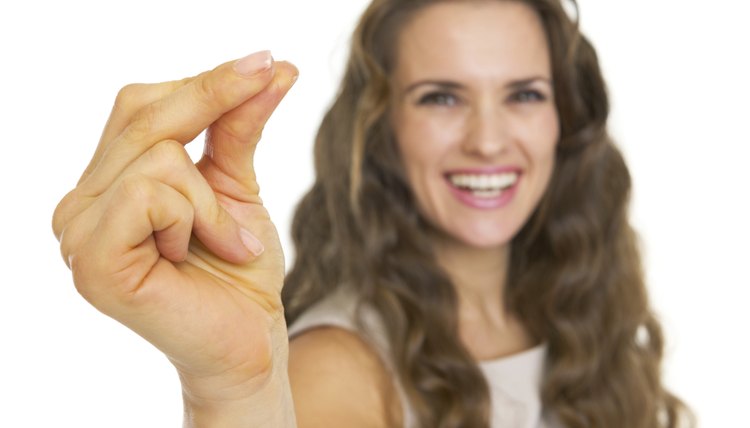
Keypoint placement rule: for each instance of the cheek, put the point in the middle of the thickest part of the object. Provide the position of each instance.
(423, 141)
(542, 138)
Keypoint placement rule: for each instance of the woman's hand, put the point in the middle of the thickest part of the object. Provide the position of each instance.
(169, 248)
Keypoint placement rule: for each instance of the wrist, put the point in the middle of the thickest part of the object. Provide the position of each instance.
(234, 401)
(270, 406)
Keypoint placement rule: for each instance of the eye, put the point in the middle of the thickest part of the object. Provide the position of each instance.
(438, 98)
(528, 96)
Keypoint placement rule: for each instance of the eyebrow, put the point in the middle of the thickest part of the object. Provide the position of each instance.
(447, 84)
(522, 83)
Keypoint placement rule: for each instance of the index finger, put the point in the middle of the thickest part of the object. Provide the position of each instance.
(193, 107)
(183, 114)
(130, 99)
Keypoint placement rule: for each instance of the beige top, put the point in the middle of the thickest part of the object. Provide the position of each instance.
(514, 381)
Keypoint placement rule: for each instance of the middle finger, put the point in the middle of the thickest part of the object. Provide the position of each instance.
(181, 115)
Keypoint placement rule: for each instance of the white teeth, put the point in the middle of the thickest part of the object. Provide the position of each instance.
(484, 183)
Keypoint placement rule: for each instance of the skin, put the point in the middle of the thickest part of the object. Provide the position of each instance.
(219, 292)
(481, 50)
(474, 91)
(212, 294)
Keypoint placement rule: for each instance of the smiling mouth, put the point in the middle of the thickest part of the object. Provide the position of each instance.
(484, 185)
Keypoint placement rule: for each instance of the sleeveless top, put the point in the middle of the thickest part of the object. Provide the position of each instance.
(514, 381)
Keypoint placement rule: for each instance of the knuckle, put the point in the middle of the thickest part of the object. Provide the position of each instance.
(187, 214)
(129, 97)
(68, 245)
(143, 120)
(83, 269)
(137, 188)
(208, 92)
(72, 237)
(182, 213)
(168, 154)
(60, 216)
(72, 222)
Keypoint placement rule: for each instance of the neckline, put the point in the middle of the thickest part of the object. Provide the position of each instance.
(534, 355)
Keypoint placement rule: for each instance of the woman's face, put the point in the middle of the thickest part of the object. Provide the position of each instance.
(474, 117)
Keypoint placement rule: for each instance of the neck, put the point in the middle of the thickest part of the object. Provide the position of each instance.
(478, 275)
(487, 328)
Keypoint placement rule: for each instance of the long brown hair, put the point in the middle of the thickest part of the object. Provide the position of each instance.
(575, 276)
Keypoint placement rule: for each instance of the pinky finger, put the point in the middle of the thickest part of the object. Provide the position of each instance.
(142, 227)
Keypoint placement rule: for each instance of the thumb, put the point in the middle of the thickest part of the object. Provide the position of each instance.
(232, 139)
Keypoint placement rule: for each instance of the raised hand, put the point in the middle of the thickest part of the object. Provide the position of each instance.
(185, 254)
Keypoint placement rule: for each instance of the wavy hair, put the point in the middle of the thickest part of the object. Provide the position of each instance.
(575, 277)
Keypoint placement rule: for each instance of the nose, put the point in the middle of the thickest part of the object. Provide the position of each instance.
(488, 133)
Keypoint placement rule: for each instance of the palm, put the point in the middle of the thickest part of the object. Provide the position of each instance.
(213, 315)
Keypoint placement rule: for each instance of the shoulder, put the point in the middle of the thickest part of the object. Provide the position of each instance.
(339, 380)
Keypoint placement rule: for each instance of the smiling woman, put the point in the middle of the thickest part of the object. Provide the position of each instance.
(479, 252)
(474, 117)
(464, 257)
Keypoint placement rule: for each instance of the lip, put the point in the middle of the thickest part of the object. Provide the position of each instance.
(484, 170)
(467, 198)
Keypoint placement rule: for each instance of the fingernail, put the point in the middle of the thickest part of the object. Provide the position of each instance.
(251, 242)
(253, 63)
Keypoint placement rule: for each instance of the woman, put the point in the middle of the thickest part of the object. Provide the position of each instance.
(468, 218)
(446, 234)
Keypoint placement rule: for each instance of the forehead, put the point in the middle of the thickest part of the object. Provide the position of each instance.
(473, 39)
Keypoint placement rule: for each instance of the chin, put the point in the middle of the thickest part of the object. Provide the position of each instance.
(487, 243)
(484, 239)
(485, 234)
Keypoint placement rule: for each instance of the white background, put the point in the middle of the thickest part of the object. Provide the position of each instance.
(678, 76)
